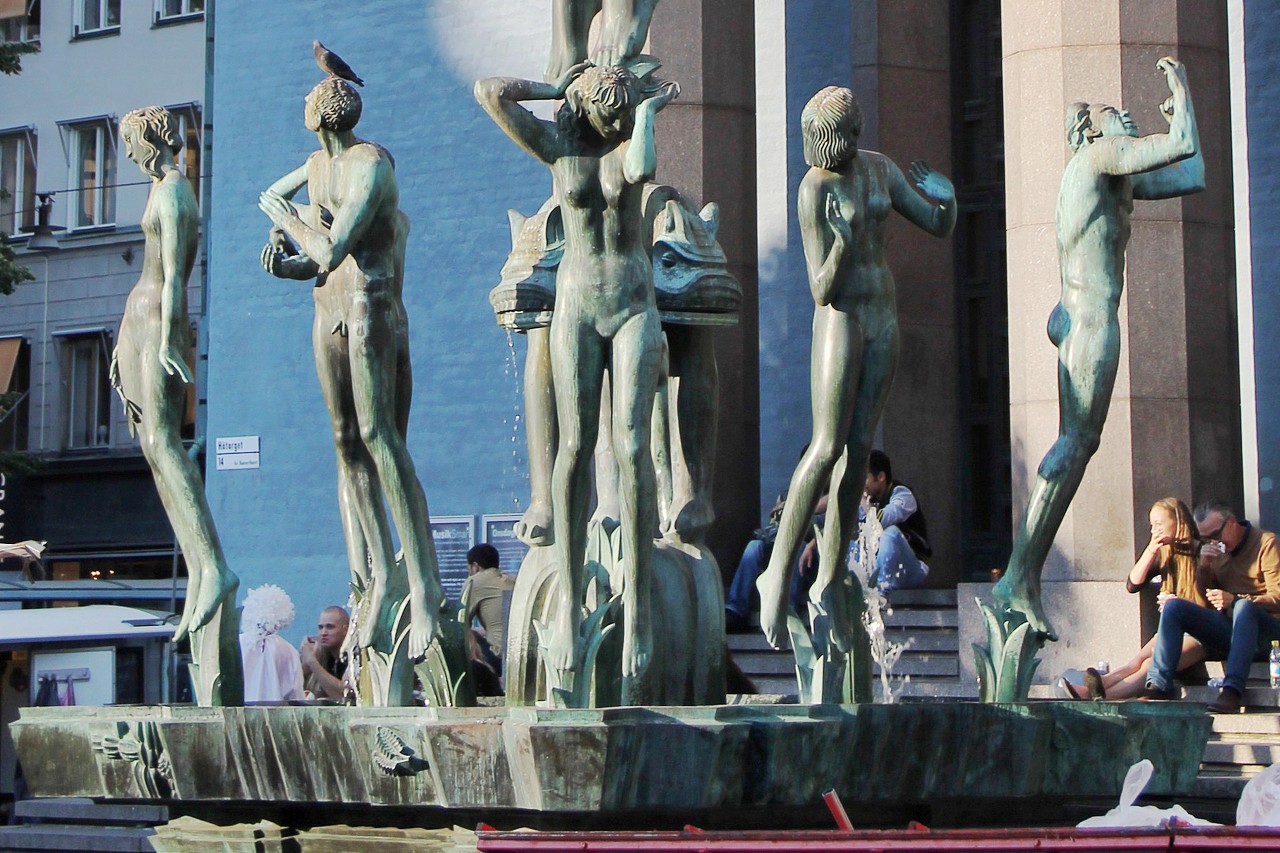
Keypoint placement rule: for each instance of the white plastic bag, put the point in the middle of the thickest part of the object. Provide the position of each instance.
(1260, 800)
(1126, 814)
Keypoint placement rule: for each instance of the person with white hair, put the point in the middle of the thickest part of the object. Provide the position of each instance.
(272, 668)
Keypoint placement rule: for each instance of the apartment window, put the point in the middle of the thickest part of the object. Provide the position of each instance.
(189, 128)
(17, 180)
(20, 20)
(96, 16)
(168, 10)
(91, 145)
(15, 383)
(86, 391)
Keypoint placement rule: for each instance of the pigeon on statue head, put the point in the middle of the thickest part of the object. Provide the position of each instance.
(333, 65)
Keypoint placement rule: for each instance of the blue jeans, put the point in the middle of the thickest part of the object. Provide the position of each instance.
(897, 566)
(1240, 637)
(742, 589)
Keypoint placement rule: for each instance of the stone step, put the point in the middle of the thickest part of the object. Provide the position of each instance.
(68, 837)
(1233, 724)
(85, 810)
(910, 618)
(1263, 754)
(778, 688)
(1224, 783)
(778, 663)
(922, 598)
(923, 640)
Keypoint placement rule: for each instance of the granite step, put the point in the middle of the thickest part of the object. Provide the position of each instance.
(75, 837)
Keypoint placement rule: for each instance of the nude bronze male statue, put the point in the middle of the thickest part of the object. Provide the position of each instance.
(843, 205)
(1110, 168)
(351, 238)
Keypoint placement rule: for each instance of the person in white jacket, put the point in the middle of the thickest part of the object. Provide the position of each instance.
(272, 668)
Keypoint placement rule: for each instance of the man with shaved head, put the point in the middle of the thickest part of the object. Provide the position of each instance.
(322, 660)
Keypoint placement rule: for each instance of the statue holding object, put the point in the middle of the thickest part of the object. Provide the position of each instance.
(351, 238)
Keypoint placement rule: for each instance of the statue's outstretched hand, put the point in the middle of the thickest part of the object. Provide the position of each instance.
(667, 93)
(1174, 71)
(173, 363)
(932, 185)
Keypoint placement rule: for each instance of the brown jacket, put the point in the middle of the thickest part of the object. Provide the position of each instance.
(1252, 572)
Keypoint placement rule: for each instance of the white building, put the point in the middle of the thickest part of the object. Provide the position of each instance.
(59, 134)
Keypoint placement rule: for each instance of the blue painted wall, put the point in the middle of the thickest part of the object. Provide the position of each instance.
(1262, 91)
(457, 175)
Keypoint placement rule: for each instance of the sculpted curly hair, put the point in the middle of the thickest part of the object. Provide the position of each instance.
(830, 125)
(151, 128)
(337, 104)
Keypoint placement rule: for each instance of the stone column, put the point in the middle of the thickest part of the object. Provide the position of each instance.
(1173, 427)
(706, 150)
(896, 59)
(902, 74)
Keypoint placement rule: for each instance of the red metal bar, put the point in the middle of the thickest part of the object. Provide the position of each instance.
(1020, 839)
(837, 810)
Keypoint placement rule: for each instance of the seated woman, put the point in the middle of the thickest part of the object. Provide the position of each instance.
(1171, 553)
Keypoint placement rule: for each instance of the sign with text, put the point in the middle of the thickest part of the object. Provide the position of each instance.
(236, 453)
(454, 535)
(499, 531)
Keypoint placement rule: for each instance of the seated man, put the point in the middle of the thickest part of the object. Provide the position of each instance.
(482, 597)
(904, 544)
(321, 655)
(1240, 565)
(755, 557)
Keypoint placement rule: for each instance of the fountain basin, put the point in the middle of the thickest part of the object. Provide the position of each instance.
(613, 759)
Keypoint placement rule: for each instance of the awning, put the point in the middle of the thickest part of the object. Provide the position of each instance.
(9, 349)
(73, 624)
(12, 9)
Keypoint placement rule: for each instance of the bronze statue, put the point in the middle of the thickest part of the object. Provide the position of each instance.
(844, 205)
(1111, 167)
(149, 371)
(600, 150)
(351, 238)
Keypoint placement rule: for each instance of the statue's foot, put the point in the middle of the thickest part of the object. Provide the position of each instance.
(834, 600)
(424, 627)
(773, 608)
(535, 527)
(212, 594)
(637, 644)
(559, 652)
(1025, 599)
(371, 613)
(188, 608)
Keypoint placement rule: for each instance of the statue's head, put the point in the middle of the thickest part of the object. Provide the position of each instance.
(333, 105)
(146, 133)
(1086, 122)
(606, 98)
(830, 125)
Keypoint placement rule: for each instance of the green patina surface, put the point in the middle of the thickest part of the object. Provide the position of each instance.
(605, 760)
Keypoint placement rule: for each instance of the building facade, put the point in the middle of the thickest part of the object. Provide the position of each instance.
(91, 498)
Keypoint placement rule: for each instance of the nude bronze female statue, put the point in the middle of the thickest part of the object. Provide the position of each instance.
(149, 368)
(600, 150)
(843, 205)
